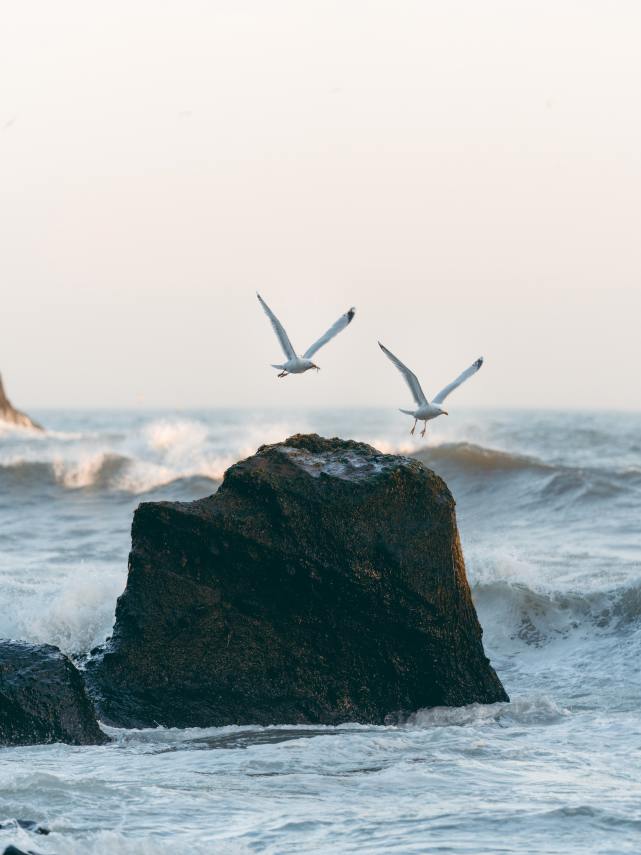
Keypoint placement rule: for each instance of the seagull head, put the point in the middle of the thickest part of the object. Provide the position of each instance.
(317, 367)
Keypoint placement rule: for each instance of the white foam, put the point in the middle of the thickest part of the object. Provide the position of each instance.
(175, 437)
(160, 452)
(116, 843)
(73, 609)
(526, 710)
(79, 472)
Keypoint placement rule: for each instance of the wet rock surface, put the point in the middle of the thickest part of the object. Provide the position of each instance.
(43, 699)
(323, 583)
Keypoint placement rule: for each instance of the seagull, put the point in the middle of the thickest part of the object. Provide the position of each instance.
(298, 364)
(425, 410)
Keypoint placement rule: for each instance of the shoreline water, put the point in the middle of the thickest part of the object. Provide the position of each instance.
(548, 513)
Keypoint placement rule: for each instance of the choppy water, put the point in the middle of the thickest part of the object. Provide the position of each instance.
(550, 515)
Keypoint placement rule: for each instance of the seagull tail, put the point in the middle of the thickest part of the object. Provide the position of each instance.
(282, 367)
(408, 412)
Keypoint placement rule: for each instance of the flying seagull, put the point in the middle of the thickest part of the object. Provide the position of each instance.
(298, 364)
(425, 411)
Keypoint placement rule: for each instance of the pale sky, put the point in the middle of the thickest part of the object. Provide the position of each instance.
(467, 174)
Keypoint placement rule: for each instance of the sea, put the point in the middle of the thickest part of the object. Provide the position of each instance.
(549, 510)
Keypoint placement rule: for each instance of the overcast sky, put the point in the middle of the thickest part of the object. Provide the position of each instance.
(467, 174)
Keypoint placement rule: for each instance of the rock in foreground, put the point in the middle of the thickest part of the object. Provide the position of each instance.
(9, 414)
(43, 699)
(323, 583)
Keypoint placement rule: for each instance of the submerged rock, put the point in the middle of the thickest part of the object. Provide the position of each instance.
(13, 850)
(323, 583)
(8, 413)
(25, 825)
(43, 699)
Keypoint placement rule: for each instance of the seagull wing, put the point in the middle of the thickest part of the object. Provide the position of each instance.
(442, 395)
(410, 377)
(283, 338)
(344, 321)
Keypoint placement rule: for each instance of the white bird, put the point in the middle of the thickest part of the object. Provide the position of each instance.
(427, 411)
(298, 364)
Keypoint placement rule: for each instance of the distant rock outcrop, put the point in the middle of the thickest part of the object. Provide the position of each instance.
(323, 583)
(43, 699)
(8, 413)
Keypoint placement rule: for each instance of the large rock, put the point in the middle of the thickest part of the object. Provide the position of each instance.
(323, 583)
(8, 413)
(43, 699)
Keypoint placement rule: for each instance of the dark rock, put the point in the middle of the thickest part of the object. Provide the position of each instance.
(43, 699)
(323, 583)
(8, 413)
(13, 850)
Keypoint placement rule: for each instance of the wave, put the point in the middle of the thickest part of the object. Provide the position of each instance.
(469, 466)
(525, 710)
(165, 451)
(157, 454)
(604, 817)
(109, 471)
(72, 608)
(535, 616)
(107, 842)
(478, 458)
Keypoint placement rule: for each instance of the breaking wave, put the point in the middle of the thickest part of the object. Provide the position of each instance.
(477, 459)
(164, 451)
(537, 616)
(73, 607)
(525, 710)
(159, 453)
(469, 467)
(471, 457)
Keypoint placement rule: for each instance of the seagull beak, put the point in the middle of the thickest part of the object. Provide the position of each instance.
(445, 414)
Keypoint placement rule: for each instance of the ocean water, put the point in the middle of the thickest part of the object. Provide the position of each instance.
(549, 508)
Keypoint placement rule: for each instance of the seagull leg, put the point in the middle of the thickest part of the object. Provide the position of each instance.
(283, 374)
(424, 429)
(414, 428)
